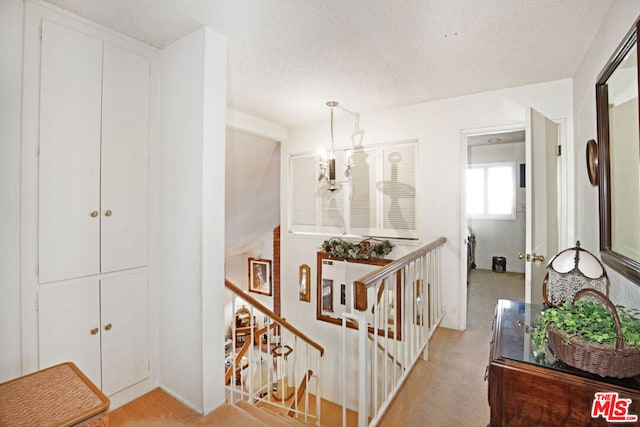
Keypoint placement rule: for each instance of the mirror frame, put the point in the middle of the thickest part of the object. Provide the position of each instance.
(628, 267)
(321, 255)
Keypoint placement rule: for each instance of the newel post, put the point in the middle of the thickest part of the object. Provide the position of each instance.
(360, 292)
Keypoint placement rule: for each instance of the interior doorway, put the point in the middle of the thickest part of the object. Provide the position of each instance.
(543, 179)
(495, 221)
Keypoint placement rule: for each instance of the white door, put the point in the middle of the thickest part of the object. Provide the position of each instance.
(125, 127)
(542, 217)
(124, 328)
(69, 159)
(69, 327)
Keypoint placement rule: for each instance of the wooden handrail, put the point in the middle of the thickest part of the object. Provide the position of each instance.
(279, 320)
(239, 356)
(301, 389)
(243, 351)
(374, 277)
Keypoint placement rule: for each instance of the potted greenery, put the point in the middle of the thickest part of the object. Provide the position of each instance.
(597, 338)
(369, 248)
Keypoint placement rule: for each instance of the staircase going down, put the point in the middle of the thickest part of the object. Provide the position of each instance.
(243, 414)
(270, 364)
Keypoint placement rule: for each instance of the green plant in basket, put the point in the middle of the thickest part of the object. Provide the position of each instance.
(590, 321)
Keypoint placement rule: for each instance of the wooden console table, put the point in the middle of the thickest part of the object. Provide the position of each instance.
(525, 391)
(57, 396)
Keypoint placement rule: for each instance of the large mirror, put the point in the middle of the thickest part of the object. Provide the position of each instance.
(619, 159)
(335, 294)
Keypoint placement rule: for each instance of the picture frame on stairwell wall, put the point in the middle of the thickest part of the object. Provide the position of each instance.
(260, 276)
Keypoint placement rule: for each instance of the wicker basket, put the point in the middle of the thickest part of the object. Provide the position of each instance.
(620, 362)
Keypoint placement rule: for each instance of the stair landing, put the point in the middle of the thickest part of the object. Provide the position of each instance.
(159, 409)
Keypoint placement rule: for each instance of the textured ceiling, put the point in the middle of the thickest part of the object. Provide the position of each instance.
(288, 57)
(497, 138)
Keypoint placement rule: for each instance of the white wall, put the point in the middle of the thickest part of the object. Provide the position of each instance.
(11, 18)
(254, 125)
(500, 237)
(618, 22)
(191, 240)
(252, 204)
(442, 163)
(252, 196)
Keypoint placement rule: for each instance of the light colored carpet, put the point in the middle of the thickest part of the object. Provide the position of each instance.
(158, 409)
(449, 389)
(485, 288)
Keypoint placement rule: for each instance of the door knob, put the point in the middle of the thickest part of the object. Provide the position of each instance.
(94, 214)
(531, 257)
(108, 326)
(537, 257)
(95, 331)
(108, 212)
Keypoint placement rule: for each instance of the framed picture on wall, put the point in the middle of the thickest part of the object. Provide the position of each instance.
(260, 276)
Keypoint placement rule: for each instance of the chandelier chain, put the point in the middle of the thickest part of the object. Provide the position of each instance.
(332, 104)
(332, 144)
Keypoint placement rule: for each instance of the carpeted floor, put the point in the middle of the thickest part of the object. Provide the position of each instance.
(447, 390)
(484, 290)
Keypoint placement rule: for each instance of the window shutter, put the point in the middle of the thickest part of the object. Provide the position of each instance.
(363, 204)
(398, 189)
(332, 203)
(380, 199)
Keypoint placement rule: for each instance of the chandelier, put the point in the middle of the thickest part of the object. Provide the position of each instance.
(328, 163)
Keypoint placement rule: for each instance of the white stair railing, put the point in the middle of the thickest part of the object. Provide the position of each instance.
(270, 362)
(397, 309)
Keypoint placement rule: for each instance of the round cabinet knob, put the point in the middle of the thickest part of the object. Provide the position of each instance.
(108, 326)
(95, 331)
(108, 212)
(94, 214)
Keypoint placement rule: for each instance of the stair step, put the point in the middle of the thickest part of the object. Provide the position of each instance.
(232, 416)
(266, 416)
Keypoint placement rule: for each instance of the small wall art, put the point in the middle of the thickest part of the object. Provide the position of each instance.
(304, 282)
(260, 276)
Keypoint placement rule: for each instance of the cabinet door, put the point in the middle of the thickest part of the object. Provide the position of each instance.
(68, 327)
(125, 128)
(69, 160)
(125, 348)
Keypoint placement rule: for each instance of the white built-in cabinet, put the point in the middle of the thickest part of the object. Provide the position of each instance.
(101, 325)
(92, 207)
(94, 108)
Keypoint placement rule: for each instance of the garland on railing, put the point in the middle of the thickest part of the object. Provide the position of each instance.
(365, 249)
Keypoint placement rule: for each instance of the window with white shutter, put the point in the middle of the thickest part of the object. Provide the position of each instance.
(398, 189)
(379, 199)
(363, 212)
